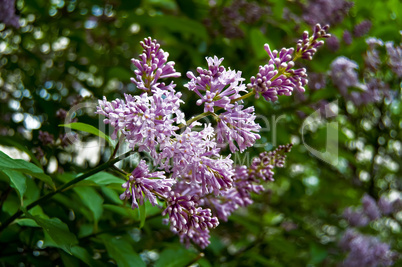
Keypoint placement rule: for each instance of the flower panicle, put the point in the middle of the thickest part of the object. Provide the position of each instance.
(152, 66)
(279, 77)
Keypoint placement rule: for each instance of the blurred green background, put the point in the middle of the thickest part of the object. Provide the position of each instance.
(74, 52)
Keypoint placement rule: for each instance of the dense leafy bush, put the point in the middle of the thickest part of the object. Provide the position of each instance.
(336, 201)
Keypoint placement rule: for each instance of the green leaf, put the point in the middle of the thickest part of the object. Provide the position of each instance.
(188, 7)
(7, 163)
(258, 40)
(143, 215)
(18, 182)
(88, 129)
(112, 195)
(124, 211)
(8, 141)
(122, 74)
(173, 24)
(57, 231)
(68, 260)
(318, 254)
(26, 222)
(101, 178)
(173, 257)
(82, 254)
(92, 200)
(122, 252)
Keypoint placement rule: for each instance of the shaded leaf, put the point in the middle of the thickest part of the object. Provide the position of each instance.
(122, 252)
(173, 257)
(18, 182)
(143, 215)
(92, 200)
(57, 231)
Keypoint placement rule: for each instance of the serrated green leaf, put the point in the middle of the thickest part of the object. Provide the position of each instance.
(88, 129)
(58, 232)
(18, 182)
(122, 252)
(7, 163)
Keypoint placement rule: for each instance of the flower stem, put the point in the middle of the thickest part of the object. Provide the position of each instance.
(64, 186)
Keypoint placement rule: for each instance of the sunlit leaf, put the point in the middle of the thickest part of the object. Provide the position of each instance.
(7, 163)
(88, 129)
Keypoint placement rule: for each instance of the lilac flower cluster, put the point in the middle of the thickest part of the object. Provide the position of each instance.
(370, 211)
(222, 87)
(229, 18)
(364, 250)
(346, 78)
(362, 28)
(143, 183)
(7, 13)
(153, 66)
(326, 11)
(367, 250)
(394, 53)
(246, 180)
(193, 174)
(278, 76)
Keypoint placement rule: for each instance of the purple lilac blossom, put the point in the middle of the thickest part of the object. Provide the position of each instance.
(326, 11)
(261, 167)
(188, 220)
(386, 207)
(7, 13)
(365, 251)
(347, 37)
(362, 28)
(229, 18)
(344, 76)
(394, 53)
(143, 183)
(333, 43)
(237, 124)
(372, 58)
(46, 138)
(152, 66)
(221, 86)
(316, 81)
(145, 121)
(195, 155)
(307, 46)
(278, 77)
(247, 181)
(370, 207)
(355, 218)
(198, 174)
